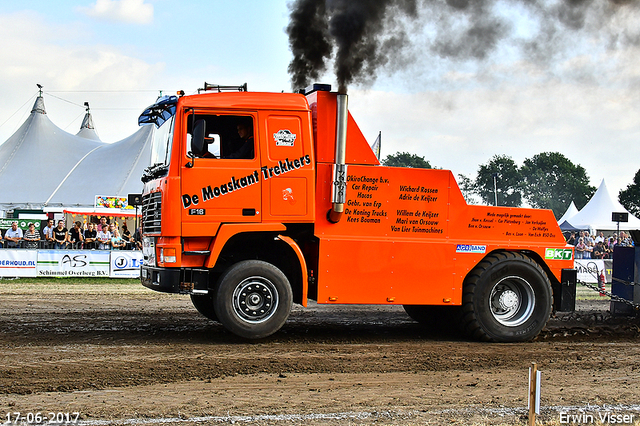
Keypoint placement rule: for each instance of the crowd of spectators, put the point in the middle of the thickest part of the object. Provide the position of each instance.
(589, 246)
(101, 236)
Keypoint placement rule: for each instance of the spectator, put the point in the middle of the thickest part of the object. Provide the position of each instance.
(608, 245)
(587, 250)
(580, 248)
(75, 236)
(598, 251)
(60, 236)
(13, 236)
(600, 238)
(104, 238)
(47, 232)
(126, 236)
(103, 226)
(137, 238)
(31, 237)
(625, 239)
(117, 243)
(90, 237)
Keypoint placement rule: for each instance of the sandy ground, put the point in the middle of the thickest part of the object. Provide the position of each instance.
(124, 355)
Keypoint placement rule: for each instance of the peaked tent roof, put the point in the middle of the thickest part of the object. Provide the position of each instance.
(35, 159)
(566, 226)
(87, 129)
(41, 162)
(571, 212)
(597, 213)
(110, 169)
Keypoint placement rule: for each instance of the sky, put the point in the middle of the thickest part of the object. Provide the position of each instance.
(581, 99)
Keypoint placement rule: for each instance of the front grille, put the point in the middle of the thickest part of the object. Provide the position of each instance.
(152, 212)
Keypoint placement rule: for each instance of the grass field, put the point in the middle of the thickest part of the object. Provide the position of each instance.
(53, 285)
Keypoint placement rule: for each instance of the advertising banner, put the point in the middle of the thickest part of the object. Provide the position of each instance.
(111, 202)
(125, 264)
(18, 263)
(73, 263)
(22, 223)
(589, 269)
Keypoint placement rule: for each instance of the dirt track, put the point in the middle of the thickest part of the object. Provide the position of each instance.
(119, 352)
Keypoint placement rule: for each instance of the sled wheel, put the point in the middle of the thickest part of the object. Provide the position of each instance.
(204, 304)
(253, 299)
(506, 298)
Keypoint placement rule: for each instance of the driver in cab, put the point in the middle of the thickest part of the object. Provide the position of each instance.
(243, 146)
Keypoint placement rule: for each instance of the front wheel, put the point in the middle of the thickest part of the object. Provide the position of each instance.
(506, 298)
(204, 304)
(253, 299)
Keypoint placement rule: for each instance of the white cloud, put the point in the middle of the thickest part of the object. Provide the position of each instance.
(71, 73)
(128, 11)
(596, 127)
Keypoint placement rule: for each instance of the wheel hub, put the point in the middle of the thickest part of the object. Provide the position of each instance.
(255, 299)
(508, 300)
(512, 301)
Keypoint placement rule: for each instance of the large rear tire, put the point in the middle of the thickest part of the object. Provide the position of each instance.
(253, 299)
(506, 298)
(204, 304)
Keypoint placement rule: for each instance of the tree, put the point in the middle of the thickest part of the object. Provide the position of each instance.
(552, 181)
(468, 189)
(404, 159)
(507, 182)
(630, 196)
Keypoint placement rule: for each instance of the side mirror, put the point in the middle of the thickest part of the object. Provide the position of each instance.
(198, 144)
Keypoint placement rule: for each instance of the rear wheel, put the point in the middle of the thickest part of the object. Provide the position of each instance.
(506, 298)
(253, 299)
(204, 304)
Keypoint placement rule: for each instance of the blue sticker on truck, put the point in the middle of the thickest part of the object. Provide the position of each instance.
(470, 248)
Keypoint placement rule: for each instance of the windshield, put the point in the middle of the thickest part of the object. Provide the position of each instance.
(162, 140)
(162, 114)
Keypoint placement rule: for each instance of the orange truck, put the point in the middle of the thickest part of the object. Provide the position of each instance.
(256, 201)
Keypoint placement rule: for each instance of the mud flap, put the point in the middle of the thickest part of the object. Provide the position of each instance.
(564, 293)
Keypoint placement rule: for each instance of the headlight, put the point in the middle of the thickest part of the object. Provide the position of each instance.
(149, 251)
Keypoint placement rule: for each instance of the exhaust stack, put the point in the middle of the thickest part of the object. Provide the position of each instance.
(339, 184)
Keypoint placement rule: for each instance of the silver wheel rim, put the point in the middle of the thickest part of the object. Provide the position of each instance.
(512, 301)
(255, 300)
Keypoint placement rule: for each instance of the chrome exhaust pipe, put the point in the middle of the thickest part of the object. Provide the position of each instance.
(339, 183)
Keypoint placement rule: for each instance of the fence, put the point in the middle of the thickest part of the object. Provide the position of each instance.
(70, 263)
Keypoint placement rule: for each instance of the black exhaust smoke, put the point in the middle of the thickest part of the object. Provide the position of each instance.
(361, 36)
(353, 28)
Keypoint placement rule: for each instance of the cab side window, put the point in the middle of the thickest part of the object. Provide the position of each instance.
(225, 136)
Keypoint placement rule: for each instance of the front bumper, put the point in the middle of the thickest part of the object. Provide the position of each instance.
(176, 280)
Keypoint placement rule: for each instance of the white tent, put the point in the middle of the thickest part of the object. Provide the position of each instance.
(110, 169)
(564, 221)
(597, 213)
(43, 166)
(87, 129)
(571, 212)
